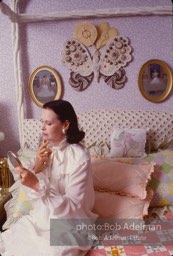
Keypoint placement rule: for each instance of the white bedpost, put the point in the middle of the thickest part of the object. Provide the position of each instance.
(18, 72)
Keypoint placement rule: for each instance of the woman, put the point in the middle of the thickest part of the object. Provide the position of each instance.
(59, 186)
(45, 89)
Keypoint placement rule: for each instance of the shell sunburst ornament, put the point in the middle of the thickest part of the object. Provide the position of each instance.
(108, 65)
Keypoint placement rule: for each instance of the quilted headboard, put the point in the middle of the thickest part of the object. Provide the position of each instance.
(98, 125)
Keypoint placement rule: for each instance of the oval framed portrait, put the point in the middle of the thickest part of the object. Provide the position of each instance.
(155, 80)
(45, 85)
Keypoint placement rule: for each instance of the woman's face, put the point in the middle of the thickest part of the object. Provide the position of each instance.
(51, 127)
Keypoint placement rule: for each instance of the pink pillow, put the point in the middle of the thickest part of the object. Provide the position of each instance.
(109, 205)
(122, 178)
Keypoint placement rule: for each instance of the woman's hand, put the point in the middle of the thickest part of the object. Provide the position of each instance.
(27, 178)
(42, 157)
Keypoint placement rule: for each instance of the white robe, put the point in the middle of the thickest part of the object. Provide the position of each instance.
(65, 191)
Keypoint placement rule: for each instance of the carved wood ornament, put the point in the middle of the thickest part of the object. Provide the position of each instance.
(108, 65)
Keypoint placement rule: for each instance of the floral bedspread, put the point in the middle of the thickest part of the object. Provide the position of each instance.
(158, 242)
(132, 251)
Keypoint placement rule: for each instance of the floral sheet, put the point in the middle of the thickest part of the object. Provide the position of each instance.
(132, 251)
(158, 242)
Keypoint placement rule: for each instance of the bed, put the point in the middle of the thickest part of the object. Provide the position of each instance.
(132, 160)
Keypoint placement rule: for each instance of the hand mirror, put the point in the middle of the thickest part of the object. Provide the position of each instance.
(14, 160)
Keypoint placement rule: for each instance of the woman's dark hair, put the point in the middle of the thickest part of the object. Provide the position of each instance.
(65, 111)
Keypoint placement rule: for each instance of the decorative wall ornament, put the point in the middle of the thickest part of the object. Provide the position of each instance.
(105, 34)
(86, 33)
(108, 65)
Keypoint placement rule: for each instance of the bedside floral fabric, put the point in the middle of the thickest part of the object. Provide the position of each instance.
(162, 178)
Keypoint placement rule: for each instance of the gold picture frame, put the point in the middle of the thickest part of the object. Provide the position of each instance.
(45, 85)
(155, 80)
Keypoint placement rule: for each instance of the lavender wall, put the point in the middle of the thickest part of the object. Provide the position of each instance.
(42, 44)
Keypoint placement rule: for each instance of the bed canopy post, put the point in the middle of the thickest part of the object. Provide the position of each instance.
(18, 72)
(12, 14)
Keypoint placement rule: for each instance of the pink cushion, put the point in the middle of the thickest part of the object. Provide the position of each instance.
(109, 205)
(121, 178)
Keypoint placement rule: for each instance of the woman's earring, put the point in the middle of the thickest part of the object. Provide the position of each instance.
(64, 131)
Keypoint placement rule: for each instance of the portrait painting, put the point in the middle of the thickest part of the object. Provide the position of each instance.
(155, 80)
(45, 85)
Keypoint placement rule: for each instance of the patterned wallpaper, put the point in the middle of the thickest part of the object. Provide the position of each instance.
(42, 44)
